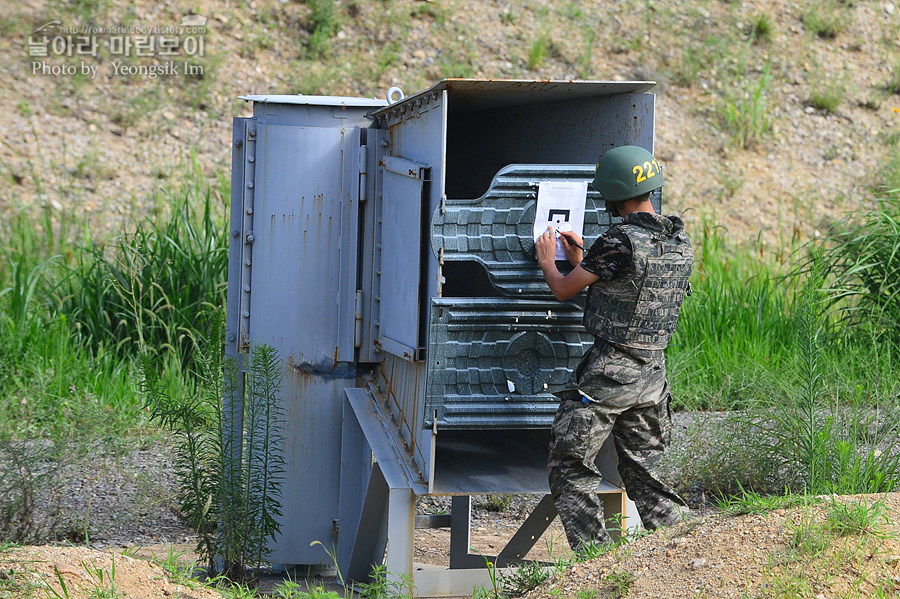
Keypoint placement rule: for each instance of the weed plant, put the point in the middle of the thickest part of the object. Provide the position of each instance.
(804, 438)
(762, 27)
(806, 361)
(29, 507)
(322, 24)
(496, 503)
(539, 51)
(847, 537)
(857, 518)
(229, 463)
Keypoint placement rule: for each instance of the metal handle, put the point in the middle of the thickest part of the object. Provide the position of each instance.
(392, 92)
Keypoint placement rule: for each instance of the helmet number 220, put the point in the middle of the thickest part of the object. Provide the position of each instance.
(645, 171)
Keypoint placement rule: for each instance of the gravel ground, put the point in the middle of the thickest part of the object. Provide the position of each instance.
(114, 497)
(127, 496)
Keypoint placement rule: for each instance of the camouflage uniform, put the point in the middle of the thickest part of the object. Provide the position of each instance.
(620, 386)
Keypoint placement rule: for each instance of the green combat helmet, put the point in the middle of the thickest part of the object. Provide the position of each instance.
(626, 172)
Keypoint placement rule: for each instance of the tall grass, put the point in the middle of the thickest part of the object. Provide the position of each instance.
(865, 263)
(816, 355)
(148, 290)
(734, 335)
(74, 311)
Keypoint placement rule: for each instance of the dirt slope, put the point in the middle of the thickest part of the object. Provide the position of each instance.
(754, 555)
(100, 144)
(83, 573)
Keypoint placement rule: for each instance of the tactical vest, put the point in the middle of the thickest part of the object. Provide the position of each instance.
(640, 308)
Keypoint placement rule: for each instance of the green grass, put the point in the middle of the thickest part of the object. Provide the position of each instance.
(538, 51)
(825, 19)
(827, 96)
(751, 502)
(762, 27)
(150, 290)
(805, 352)
(620, 581)
(745, 112)
(734, 332)
(75, 310)
(322, 23)
(857, 518)
(846, 538)
(865, 262)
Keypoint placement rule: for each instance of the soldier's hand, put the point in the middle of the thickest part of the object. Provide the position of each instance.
(572, 244)
(545, 247)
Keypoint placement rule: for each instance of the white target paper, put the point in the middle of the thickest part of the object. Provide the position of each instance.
(560, 204)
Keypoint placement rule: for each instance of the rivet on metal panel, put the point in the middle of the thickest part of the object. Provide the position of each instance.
(249, 210)
(247, 288)
(246, 314)
(252, 132)
(377, 299)
(251, 238)
(239, 143)
(232, 337)
(235, 233)
(378, 246)
(247, 262)
(385, 144)
(251, 159)
(249, 184)
(377, 273)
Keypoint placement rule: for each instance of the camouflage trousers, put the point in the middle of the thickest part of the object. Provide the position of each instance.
(638, 418)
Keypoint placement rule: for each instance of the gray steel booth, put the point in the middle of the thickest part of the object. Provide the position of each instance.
(385, 249)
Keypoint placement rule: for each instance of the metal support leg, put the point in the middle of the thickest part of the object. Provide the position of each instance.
(401, 510)
(531, 530)
(461, 534)
(614, 514)
(369, 544)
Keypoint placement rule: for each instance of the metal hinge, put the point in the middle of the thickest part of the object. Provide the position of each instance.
(247, 205)
(361, 161)
(357, 319)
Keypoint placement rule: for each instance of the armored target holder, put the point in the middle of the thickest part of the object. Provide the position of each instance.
(385, 250)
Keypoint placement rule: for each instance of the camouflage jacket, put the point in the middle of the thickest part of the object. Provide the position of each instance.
(632, 310)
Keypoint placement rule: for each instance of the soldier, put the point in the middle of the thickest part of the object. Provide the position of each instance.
(637, 276)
